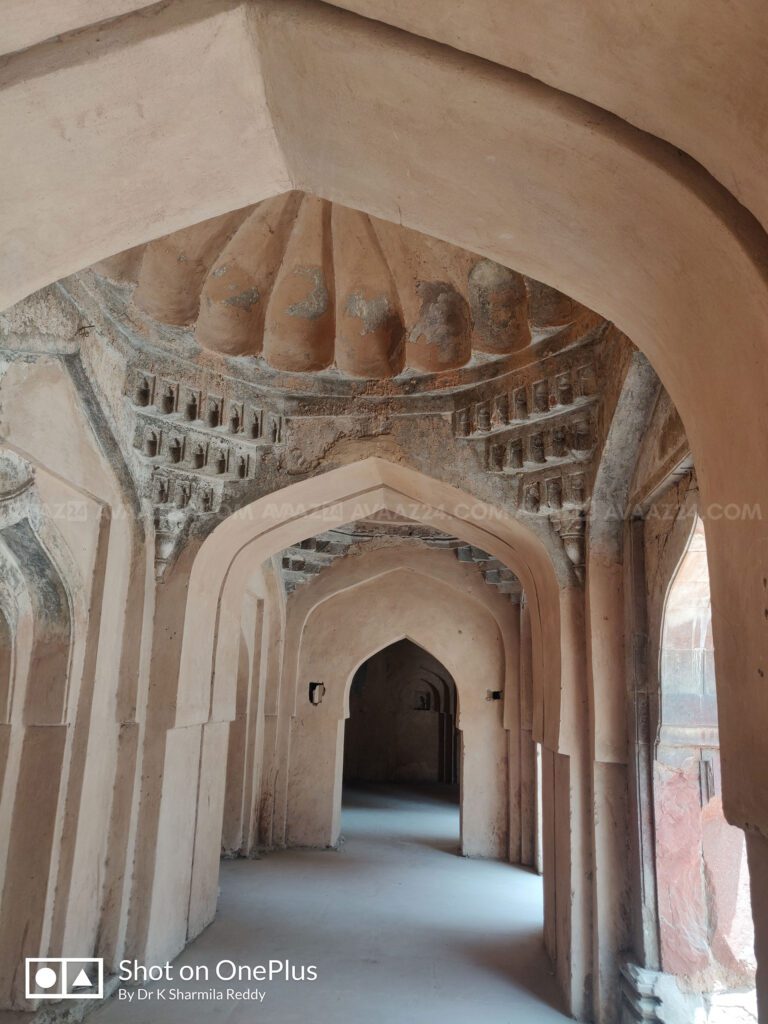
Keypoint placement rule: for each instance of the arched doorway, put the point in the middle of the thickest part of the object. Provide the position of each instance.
(706, 931)
(204, 702)
(337, 639)
(465, 631)
(199, 702)
(394, 880)
(402, 744)
(402, 720)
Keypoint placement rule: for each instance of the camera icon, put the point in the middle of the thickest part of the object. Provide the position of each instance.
(64, 977)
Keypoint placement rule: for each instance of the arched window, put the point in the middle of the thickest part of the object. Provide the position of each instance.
(705, 920)
(688, 695)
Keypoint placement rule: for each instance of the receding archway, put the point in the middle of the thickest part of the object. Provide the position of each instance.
(415, 848)
(402, 604)
(574, 238)
(186, 862)
(402, 748)
(402, 720)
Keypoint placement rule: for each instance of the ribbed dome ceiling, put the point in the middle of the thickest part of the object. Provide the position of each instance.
(309, 284)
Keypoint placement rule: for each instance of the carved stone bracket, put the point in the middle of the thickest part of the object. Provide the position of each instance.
(177, 501)
(171, 528)
(570, 526)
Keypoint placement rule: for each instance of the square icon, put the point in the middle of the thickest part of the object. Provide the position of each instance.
(64, 978)
(84, 978)
(44, 978)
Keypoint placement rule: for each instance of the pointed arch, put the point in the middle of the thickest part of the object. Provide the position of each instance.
(461, 633)
(341, 496)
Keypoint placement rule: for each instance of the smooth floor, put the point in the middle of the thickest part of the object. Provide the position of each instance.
(401, 930)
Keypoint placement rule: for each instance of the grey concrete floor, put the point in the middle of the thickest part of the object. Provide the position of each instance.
(401, 929)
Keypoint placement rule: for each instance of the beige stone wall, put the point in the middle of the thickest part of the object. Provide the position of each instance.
(83, 530)
(578, 146)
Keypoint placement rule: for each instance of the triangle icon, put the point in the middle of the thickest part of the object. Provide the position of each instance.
(82, 981)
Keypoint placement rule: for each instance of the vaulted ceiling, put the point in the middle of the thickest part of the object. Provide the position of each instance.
(312, 286)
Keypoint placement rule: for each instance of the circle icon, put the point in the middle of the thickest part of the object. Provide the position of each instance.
(45, 977)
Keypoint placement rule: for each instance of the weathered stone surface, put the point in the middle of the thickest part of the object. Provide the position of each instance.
(309, 283)
(422, 373)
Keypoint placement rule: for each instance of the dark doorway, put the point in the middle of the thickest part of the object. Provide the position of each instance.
(402, 720)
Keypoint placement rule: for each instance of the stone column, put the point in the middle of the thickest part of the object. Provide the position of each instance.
(169, 767)
(528, 773)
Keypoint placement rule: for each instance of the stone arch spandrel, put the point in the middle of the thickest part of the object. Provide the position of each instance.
(262, 153)
(131, 67)
(432, 625)
(602, 53)
(606, 54)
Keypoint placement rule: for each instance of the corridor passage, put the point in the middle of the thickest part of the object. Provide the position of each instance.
(402, 930)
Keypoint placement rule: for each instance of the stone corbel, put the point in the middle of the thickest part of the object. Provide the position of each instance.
(570, 526)
(171, 528)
